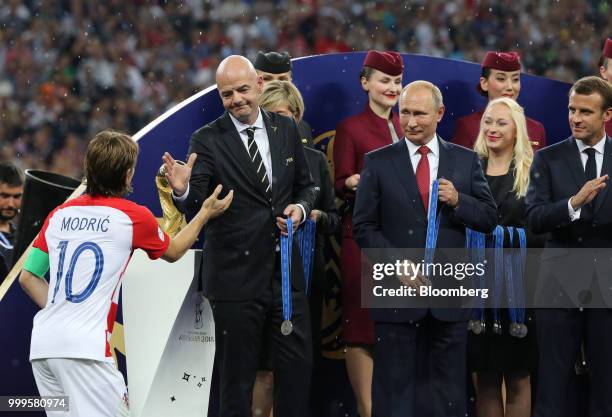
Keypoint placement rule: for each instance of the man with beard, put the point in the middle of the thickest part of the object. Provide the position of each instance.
(11, 189)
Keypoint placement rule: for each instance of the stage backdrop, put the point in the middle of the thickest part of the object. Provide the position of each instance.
(331, 89)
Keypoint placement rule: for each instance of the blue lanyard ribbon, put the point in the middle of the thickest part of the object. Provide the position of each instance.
(517, 308)
(286, 250)
(306, 239)
(475, 242)
(433, 226)
(498, 238)
(509, 278)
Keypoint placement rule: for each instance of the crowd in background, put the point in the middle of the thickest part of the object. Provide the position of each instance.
(69, 68)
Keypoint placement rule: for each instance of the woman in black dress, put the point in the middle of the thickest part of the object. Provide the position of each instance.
(503, 359)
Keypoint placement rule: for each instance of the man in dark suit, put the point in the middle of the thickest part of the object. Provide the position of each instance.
(259, 155)
(568, 199)
(276, 66)
(391, 211)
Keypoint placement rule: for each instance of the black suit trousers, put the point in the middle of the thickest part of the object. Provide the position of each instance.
(560, 332)
(405, 351)
(241, 328)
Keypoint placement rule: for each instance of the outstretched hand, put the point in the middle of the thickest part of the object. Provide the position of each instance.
(213, 206)
(177, 173)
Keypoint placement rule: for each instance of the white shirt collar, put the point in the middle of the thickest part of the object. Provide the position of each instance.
(599, 146)
(240, 127)
(433, 145)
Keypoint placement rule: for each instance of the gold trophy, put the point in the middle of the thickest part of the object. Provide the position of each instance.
(173, 220)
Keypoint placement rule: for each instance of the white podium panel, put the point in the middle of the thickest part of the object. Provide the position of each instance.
(169, 338)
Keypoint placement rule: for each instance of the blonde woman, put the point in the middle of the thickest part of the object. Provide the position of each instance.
(503, 144)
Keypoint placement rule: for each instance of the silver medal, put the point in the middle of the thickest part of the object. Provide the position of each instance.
(477, 327)
(286, 327)
(522, 332)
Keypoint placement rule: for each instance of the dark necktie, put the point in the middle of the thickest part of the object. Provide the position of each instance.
(257, 161)
(590, 173)
(422, 176)
(590, 169)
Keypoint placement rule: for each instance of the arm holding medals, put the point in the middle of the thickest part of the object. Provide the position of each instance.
(475, 210)
(260, 156)
(408, 191)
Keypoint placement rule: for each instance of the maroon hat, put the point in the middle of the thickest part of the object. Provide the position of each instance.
(388, 62)
(502, 61)
(607, 49)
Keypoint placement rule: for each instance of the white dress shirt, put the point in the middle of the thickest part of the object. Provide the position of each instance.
(261, 139)
(599, 153)
(433, 157)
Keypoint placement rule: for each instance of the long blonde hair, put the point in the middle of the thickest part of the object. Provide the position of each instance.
(522, 153)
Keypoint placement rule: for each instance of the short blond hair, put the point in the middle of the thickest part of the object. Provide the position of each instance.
(276, 93)
(436, 94)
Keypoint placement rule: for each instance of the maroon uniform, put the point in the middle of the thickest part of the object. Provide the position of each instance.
(467, 128)
(355, 136)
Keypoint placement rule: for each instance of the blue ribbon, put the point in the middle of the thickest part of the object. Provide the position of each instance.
(475, 242)
(306, 239)
(286, 250)
(509, 270)
(433, 226)
(519, 261)
(498, 236)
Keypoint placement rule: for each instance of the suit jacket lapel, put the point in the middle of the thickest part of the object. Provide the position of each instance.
(275, 141)
(405, 171)
(446, 164)
(605, 169)
(236, 148)
(574, 163)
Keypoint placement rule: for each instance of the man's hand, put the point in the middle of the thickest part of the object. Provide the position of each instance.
(414, 280)
(588, 192)
(447, 193)
(178, 175)
(352, 182)
(315, 215)
(294, 213)
(214, 207)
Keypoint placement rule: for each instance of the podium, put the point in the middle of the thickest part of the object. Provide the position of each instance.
(169, 337)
